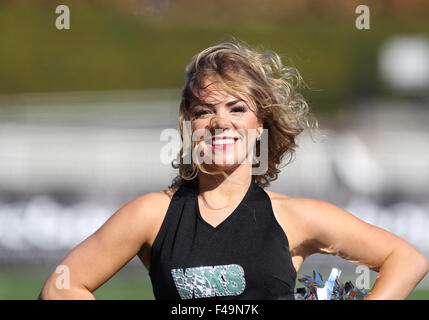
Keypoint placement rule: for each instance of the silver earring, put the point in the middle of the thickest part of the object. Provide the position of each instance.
(259, 137)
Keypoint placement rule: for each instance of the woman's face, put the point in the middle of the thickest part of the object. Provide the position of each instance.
(226, 127)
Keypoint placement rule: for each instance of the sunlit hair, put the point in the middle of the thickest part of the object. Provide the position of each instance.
(261, 76)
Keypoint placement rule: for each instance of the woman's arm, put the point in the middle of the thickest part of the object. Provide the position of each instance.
(399, 274)
(332, 230)
(100, 256)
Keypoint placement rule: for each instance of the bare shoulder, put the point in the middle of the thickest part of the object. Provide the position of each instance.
(282, 204)
(154, 205)
(294, 217)
(314, 225)
(144, 213)
(159, 198)
(300, 218)
(276, 196)
(299, 208)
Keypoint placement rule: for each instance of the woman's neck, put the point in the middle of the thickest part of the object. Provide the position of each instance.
(218, 192)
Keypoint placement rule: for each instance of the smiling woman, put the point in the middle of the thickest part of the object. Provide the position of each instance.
(224, 147)
(258, 92)
(216, 233)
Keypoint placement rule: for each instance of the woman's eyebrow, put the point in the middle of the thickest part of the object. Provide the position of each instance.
(228, 104)
(231, 103)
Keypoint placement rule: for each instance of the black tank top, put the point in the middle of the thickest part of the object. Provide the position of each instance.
(245, 257)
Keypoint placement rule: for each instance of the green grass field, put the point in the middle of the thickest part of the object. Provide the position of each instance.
(23, 283)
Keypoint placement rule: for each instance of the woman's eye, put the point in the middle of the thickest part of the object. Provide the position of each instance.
(200, 113)
(238, 109)
(204, 112)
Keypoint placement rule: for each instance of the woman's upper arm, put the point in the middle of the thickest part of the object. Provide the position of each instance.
(115, 243)
(332, 230)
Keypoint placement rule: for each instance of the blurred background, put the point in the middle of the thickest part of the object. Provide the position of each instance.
(82, 111)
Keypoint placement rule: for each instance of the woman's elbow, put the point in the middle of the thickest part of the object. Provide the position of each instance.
(419, 263)
(51, 291)
(426, 265)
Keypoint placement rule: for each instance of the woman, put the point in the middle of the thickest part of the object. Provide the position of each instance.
(216, 232)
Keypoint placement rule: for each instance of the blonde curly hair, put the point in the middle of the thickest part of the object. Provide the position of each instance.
(260, 75)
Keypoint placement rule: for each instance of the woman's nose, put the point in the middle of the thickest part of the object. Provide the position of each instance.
(220, 122)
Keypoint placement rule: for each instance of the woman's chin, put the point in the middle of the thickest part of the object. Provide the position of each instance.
(224, 166)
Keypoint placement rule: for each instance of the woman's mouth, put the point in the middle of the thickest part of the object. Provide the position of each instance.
(223, 143)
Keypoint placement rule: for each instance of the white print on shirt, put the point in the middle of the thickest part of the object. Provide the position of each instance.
(207, 281)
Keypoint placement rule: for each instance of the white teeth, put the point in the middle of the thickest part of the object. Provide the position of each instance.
(223, 141)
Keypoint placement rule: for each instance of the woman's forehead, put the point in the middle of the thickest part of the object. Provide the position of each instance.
(215, 96)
